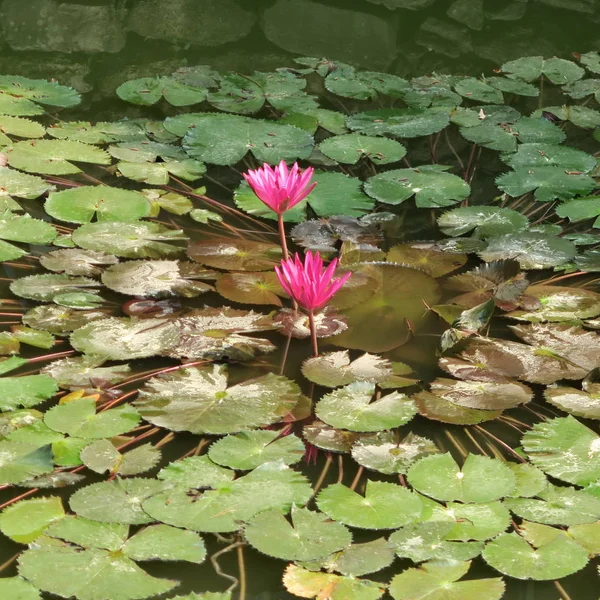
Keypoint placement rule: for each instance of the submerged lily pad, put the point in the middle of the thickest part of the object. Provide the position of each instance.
(426, 257)
(198, 400)
(236, 255)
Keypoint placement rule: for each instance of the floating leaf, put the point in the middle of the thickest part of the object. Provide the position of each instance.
(557, 70)
(27, 390)
(20, 461)
(581, 209)
(334, 194)
(384, 505)
(364, 85)
(576, 402)
(431, 185)
(99, 133)
(156, 278)
(481, 479)
(381, 452)
(351, 408)
(425, 541)
(308, 584)
(512, 555)
(434, 407)
(310, 536)
(79, 418)
(565, 449)
(60, 320)
(350, 148)
(487, 221)
(130, 240)
(198, 400)
(81, 204)
(236, 255)
(74, 261)
(250, 288)
(532, 250)
(149, 90)
(226, 139)
(225, 508)
(530, 480)
(249, 449)
(117, 501)
(439, 581)
(401, 122)
(475, 89)
(426, 257)
(195, 472)
(26, 520)
(329, 438)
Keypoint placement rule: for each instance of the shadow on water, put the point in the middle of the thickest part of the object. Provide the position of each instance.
(95, 45)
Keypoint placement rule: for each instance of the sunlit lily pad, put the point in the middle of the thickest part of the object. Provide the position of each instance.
(249, 449)
(20, 461)
(54, 157)
(26, 520)
(156, 278)
(352, 408)
(81, 204)
(251, 288)
(383, 506)
(101, 456)
(27, 390)
(530, 480)
(18, 589)
(487, 221)
(512, 555)
(225, 508)
(74, 261)
(130, 240)
(312, 535)
(576, 402)
(481, 479)
(198, 400)
(236, 254)
(22, 228)
(432, 186)
(565, 449)
(329, 438)
(310, 584)
(195, 472)
(382, 452)
(60, 320)
(437, 408)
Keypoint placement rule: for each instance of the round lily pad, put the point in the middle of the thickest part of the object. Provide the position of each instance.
(350, 148)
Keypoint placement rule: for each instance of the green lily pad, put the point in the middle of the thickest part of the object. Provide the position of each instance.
(81, 204)
(22, 228)
(130, 240)
(101, 456)
(425, 541)
(79, 418)
(480, 91)
(33, 91)
(250, 288)
(557, 70)
(557, 506)
(384, 505)
(364, 85)
(350, 148)
(401, 122)
(198, 400)
(530, 480)
(310, 584)
(195, 472)
(27, 391)
(249, 449)
(357, 559)
(26, 520)
(117, 501)
(20, 461)
(311, 535)
(225, 508)
(486, 221)
(551, 155)
(439, 581)
(226, 139)
(431, 185)
(381, 452)
(532, 250)
(512, 555)
(334, 194)
(352, 408)
(54, 157)
(581, 209)
(98, 133)
(18, 588)
(147, 91)
(329, 438)
(579, 115)
(18, 127)
(45, 287)
(566, 449)
(74, 261)
(156, 278)
(21, 185)
(481, 479)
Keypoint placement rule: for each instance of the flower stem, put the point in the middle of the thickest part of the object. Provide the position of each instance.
(282, 240)
(242, 567)
(313, 333)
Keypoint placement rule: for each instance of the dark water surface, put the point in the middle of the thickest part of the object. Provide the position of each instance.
(95, 45)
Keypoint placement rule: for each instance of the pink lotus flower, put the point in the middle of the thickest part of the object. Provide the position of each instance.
(307, 283)
(280, 188)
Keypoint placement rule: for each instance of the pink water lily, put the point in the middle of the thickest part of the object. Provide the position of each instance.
(280, 187)
(307, 283)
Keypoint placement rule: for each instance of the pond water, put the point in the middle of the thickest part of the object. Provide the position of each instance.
(95, 46)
